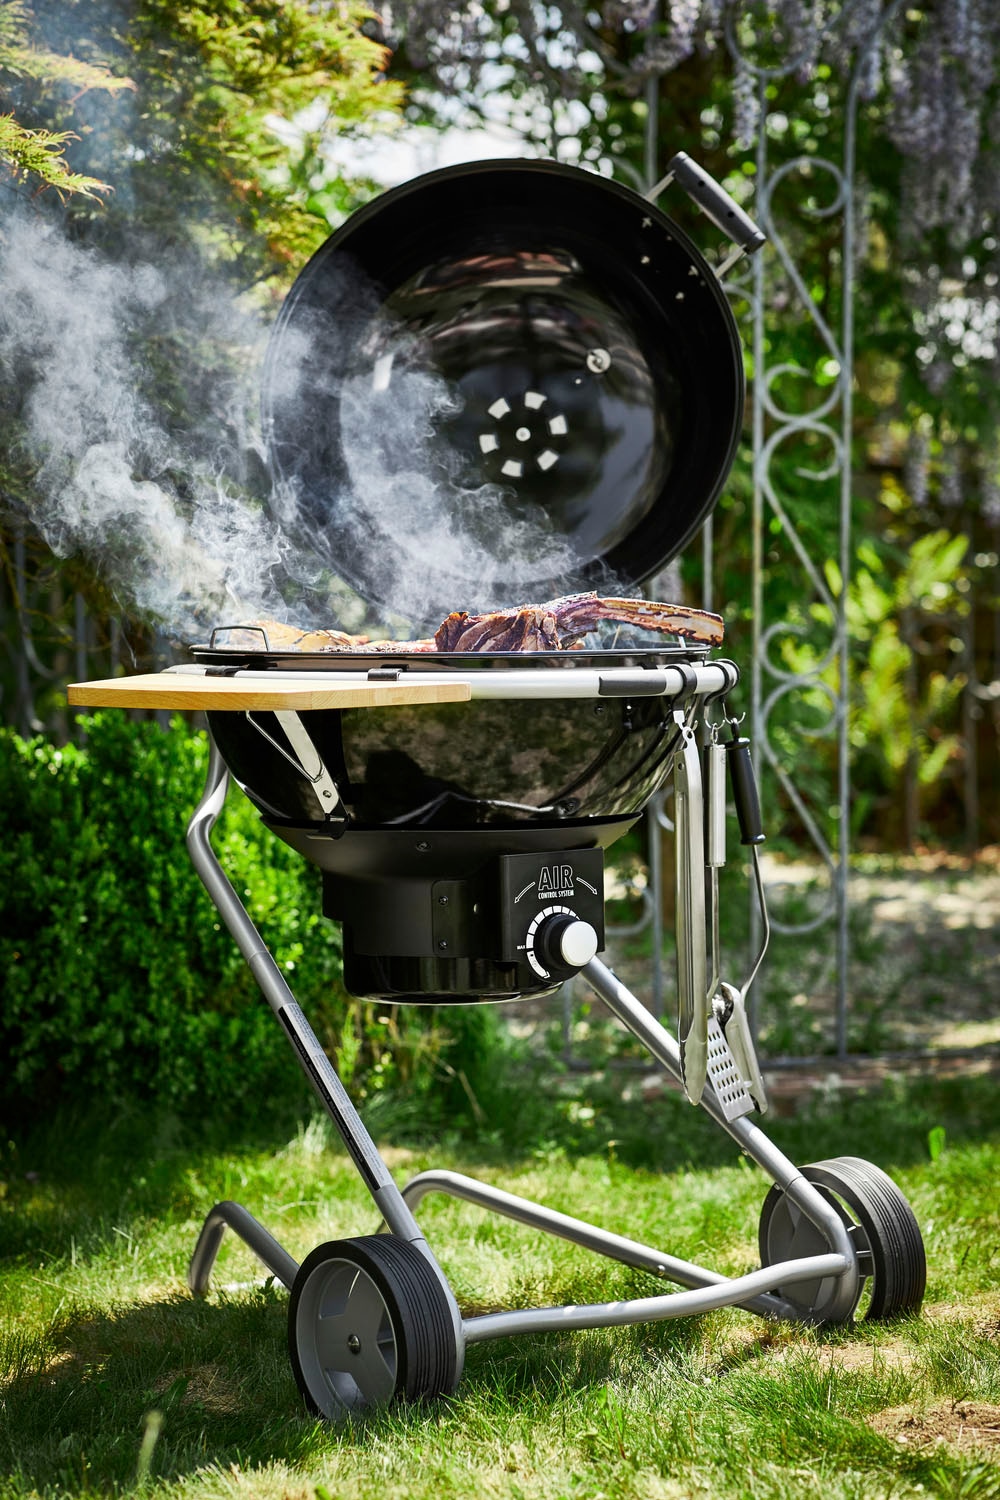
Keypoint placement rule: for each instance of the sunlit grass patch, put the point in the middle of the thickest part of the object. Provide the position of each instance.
(116, 1381)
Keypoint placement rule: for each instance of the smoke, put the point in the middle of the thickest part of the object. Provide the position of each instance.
(157, 502)
(442, 459)
(444, 534)
(138, 391)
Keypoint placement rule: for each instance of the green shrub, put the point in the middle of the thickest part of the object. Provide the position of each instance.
(118, 978)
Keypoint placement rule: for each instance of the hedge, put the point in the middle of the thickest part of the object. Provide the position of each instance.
(118, 978)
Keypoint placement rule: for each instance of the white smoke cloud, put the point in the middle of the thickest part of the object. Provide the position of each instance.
(437, 526)
(157, 510)
(160, 503)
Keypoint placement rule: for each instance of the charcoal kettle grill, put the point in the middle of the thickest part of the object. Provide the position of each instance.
(490, 381)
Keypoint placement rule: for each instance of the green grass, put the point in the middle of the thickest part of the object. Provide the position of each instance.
(114, 1380)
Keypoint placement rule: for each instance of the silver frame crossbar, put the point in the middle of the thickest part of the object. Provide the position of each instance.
(687, 679)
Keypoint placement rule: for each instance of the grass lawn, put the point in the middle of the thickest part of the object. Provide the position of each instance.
(114, 1380)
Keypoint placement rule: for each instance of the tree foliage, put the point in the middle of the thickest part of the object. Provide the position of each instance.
(199, 130)
(39, 154)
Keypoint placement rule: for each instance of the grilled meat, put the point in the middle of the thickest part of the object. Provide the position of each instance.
(282, 637)
(558, 625)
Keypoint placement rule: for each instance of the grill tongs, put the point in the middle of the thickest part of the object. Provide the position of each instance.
(712, 1021)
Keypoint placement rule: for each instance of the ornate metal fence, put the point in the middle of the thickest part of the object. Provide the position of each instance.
(790, 412)
(828, 418)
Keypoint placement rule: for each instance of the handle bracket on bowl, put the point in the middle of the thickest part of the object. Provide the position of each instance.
(214, 641)
(306, 760)
(726, 214)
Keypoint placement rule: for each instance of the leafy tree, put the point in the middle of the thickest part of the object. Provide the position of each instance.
(204, 138)
(206, 124)
(38, 154)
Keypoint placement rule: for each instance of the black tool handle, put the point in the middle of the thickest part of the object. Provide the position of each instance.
(744, 785)
(724, 213)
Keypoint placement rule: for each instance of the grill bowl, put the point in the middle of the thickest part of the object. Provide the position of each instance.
(488, 763)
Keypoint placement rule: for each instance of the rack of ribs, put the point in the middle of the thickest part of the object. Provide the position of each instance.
(558, 625)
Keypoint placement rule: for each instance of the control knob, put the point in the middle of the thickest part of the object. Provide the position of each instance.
(561, 943)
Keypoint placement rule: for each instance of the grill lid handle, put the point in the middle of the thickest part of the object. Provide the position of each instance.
(724, 212)
(221, 630)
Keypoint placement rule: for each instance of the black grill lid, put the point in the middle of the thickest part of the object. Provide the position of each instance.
(498, 383)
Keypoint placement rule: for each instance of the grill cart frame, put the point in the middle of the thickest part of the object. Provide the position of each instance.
(373, 1318)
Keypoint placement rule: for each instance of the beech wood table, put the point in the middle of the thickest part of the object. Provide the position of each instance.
(191, 689)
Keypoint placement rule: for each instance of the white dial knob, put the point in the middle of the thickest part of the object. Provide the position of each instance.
(577, 943)
(559, 943)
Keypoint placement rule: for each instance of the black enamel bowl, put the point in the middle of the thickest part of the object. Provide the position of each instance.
(505, 763)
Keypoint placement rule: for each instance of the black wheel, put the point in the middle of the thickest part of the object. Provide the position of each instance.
(370, 1320)
(884, 1232)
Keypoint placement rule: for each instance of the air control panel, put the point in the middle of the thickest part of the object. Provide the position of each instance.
(552, 910)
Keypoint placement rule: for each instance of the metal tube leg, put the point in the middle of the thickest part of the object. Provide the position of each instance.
(740, 1290)
(388, 1199)
(313, 1060)
(234, 1216)
(749, 1137)
(615, 1246)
